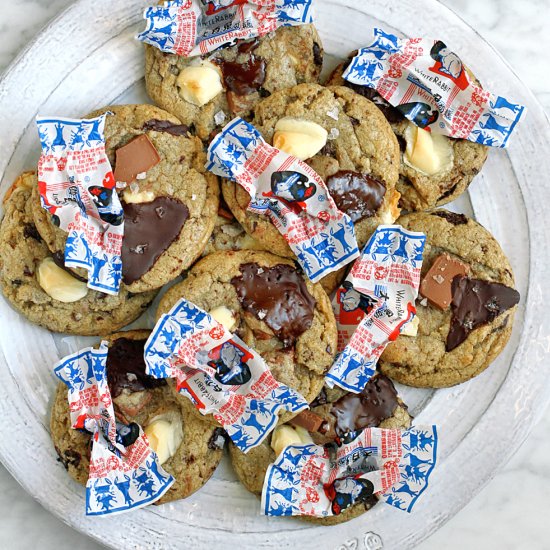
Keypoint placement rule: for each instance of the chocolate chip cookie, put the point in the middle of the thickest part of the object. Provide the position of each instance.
(423, 186)
(335, 412)
(36, 283)
(357, 156)
(170, 202)
(273, 308)
(204, 92)
(187, 447)
(465, 308)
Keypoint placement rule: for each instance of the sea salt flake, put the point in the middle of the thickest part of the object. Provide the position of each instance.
(424, 302)
(334, 133)
(438, 279)
(219, 118)
(121, 185)
(141, 176)
(131, 377)
(261, 314)
(333, 113)
(139, 249)
(134, 187)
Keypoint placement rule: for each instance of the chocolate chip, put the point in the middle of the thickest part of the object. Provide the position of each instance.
(30, 232)
(476, 303)
(126, 368)
(321, 399)
(317, 54)
(167, 127)
(451, 217)
(357, 195)
(263, 92)
(329, 150)
(69, 458)
(59, 260)
(278, 296)
(449, 192)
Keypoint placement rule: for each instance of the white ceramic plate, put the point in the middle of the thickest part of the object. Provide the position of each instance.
(88, 58)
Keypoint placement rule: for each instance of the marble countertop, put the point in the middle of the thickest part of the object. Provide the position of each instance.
(501, 516)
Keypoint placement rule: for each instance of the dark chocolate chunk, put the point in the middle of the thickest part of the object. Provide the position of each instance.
(166, 126)
(243, 78)
(321, 399)
(126, 368)
(308, 420)
(30, 232)
(278, 296)
(367, 409)
(451, 217)
(69, 458)
(217, 441)
(149, 229)
(317, 54)
(476, 303)
(248, 46)
(59, 260)
(449, 192)
(357, 195)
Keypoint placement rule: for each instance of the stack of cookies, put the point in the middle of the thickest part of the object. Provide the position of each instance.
(184, 224)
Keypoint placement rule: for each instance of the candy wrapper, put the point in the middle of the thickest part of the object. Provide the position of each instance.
(124, 470)
(196, 27)
(431, 86)
(218, 373)
(311, 480)
(291, 193)
(77, 187)
(375, 303)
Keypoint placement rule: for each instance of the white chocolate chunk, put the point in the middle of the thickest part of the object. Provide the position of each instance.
(427, 152)
(58, 283)
(135, 197)
(200, 84)
(165, 434)
(412, 328)
(302, 139)
(224, 316)
(286, 435)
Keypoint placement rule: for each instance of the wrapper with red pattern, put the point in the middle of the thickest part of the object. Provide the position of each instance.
(124, 470)
(196, 27)
(322, 481)
(219, 373)
(374, 303)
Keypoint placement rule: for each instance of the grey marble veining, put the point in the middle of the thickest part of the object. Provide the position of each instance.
(511, 512)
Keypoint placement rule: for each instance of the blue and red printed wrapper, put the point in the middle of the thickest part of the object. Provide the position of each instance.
(375, 303)
(122, 477)
(219, 373)
(431, 86)
(291, 193)
(322, 481)
(77, 187)
(196, 27)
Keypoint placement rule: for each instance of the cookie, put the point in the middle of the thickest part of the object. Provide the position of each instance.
(59, 302)
(170, 209)
(359, 161)
(194, 451)
(275, 310)
(453, 345)
(421, 189)
(378, 405)
(234, 78)
(229, 234)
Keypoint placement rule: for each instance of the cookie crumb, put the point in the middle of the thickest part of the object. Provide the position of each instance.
(219, 118)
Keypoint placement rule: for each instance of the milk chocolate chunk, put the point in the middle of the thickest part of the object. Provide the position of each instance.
(166, 126)
(436, 284)
(126, 368)
(278, 296)
(308, 420)
(243, 78)
(356, 411)
(149, 229)
(476, 303)
(357, 195)
(136, 157)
